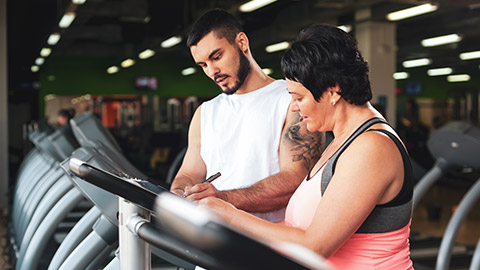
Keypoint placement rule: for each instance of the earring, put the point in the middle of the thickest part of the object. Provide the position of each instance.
(333, 103)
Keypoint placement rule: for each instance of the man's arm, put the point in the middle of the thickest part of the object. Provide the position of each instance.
(193, 170)
(299, 150)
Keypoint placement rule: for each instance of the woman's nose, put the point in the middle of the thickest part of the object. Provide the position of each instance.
(294, 106)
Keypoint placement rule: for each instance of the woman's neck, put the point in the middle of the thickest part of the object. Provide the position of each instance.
(349, 117)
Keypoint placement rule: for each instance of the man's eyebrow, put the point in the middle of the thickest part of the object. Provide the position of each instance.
(213, 53)
(209, 56)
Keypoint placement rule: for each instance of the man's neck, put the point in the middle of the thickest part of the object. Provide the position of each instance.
(255, 80)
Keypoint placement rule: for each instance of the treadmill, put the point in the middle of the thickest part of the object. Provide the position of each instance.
(455, 145)
(188, 232)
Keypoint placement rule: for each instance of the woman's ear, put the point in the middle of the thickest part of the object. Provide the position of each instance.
(242, 41)
(334, 94)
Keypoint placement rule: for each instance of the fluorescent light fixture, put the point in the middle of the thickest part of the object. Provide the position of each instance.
(441, 40)
(439, 71)
(458, 78)
(146, 54)
(45, 52)
(470, 55)
(49, 97)
(277, 47)
(188, 71)
(267, 71)
(400, 75)
(411, 12)
(79, 2)
(346, 28)
(416, 62)
(254, 5)
(66, 20)
(53, 39)
(168, 43)
(39, 61)
(35, 68)
(112, 70)
(127, 63)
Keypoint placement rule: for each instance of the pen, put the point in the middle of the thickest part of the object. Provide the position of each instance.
(208, 180)
(211, 178)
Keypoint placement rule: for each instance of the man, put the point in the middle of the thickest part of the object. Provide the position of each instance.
(247, 133)
(64, 116)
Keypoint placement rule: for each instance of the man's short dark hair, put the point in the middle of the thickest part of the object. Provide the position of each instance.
(324, 56)
(67, 113)
(218, 20)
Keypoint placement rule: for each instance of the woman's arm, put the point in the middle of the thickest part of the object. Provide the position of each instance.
(368, 173)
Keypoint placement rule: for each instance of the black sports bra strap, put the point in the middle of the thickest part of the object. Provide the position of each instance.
(330, 166)
(406, 192)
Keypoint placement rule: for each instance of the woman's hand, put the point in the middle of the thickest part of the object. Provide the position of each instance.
(220, 207)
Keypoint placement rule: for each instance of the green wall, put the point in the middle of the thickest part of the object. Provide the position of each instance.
(438, 87)
(75, 76)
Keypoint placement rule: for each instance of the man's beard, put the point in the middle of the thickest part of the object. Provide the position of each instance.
(242, 73)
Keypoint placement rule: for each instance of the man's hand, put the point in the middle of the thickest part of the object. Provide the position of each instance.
(200, 191)
(178, 191)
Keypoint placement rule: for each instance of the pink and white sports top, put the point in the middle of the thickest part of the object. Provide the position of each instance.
(381, 242)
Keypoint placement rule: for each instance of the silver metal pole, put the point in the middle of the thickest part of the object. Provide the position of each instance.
(428, 180)
(468, 201)
(134, 252)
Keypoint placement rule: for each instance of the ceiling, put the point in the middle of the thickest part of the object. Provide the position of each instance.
(123, 28)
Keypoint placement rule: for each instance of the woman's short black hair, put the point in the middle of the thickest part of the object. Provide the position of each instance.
(324, 56)
(218, 20)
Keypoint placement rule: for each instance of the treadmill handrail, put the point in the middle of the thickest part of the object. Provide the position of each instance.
(144, 195)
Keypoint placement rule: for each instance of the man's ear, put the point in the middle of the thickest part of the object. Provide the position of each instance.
(242, 41)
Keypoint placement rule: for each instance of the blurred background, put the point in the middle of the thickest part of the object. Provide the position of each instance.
(126, 62)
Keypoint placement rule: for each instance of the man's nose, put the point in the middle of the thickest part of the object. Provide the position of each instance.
(212, 70)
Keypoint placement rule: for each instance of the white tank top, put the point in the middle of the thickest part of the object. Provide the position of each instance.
(240, 136)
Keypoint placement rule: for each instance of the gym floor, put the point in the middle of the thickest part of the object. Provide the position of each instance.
(440, 201)
(435, 209)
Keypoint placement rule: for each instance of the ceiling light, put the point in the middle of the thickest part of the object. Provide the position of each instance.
(39, 61)
(277, 47)
(35, 68)
(346, 28)
(188, 71)
(439, 71)
(66, 20)
(254, 5)
(470, 55)
(146, 54)
(416, 62)
(267, 71)
(458, 78)
(53, 39)
(112, 69)
(45, 52)
(168, 43)
(411, 12)
(441, 40)
(400, 75)
(127, 63)
(50, 97)
(79, 2)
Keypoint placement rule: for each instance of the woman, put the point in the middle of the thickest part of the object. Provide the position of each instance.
(354, 207)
